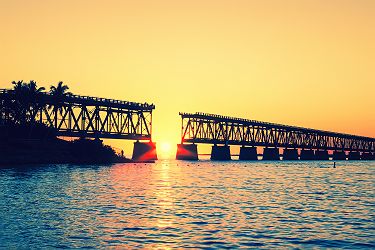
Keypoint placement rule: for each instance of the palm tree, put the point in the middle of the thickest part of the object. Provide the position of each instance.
(18, 86)
(18, 103)
(27, 100)
(34, 93)
(58, 93)
(33, 88)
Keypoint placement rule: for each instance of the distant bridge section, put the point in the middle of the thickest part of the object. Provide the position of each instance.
(217, 129)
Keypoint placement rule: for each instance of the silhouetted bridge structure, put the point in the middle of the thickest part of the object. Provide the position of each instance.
(92, 117)
(296, 142)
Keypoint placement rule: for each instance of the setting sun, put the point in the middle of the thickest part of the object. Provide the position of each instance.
(165, 150)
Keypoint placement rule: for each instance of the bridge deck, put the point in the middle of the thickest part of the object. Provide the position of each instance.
(217, 129)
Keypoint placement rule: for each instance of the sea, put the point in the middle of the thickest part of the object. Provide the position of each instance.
(173, 204)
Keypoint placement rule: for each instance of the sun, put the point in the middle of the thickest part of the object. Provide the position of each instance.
(165, 150)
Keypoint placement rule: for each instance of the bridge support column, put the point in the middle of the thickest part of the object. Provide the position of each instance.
(220, 153)
(144, 151)
(187, 152)
(322, 155)
(290, 154)
(308, 155)
(271, 154)
(354, 155)
(339, 156)
(367, 156)
(248, 153)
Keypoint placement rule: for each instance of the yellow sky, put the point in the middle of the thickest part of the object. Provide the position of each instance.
(300, 62)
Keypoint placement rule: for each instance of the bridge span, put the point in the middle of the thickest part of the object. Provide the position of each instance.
(297, 143)
(87, 117)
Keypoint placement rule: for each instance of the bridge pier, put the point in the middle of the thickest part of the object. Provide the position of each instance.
(220, 153)
(248, 153)
(308, 155)
(271, 154)
(322, 155)
(290, 154)
(367, 156)
(354, 155)
(144, 151)
(339, 155)
(187, 152)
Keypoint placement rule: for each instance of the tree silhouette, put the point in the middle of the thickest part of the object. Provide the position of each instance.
(27, 101)
(58, 93)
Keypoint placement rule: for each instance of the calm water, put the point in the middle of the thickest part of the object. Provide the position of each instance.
(173, 204)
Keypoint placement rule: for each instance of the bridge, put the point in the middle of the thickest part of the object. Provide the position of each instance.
(90, 117)
(298, 143)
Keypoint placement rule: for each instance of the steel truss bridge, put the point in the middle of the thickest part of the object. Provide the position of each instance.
(216, 129)
(92, 117)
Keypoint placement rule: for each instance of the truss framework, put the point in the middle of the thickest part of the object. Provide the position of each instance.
(216, 129)
(82, 116)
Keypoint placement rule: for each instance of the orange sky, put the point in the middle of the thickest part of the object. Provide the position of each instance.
(299, 62)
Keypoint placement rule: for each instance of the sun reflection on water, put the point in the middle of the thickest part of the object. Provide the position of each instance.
(164, 195)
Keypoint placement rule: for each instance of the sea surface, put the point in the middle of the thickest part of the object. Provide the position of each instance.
(177, 204)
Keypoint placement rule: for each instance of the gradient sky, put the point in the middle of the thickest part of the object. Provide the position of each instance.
(300, 62)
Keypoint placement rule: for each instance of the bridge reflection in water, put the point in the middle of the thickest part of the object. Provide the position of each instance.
(298, 143)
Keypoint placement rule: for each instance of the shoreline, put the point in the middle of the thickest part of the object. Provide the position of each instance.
(14, 152)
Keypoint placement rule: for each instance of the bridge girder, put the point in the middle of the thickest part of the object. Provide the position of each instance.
(215, 129)
(92, 117)
(98, 122)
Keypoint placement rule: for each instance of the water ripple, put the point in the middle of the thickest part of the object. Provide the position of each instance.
(174, 204)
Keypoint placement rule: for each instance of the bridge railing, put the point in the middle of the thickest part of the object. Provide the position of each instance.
(144, 106)
(82, 99)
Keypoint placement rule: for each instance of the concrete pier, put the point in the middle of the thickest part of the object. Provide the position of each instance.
(354, 156)
(307, 155)
(367, 156)
(220, 153)
(187, 152)
(144, 151)
(271, 154)
(248, 153)
(339, 156)
(290, 154)
(322, 155)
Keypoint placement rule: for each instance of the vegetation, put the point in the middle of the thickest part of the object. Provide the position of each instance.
(26, 99)
(58, 93)
(22, 108)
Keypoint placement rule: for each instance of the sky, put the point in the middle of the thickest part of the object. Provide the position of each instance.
(308, 63)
